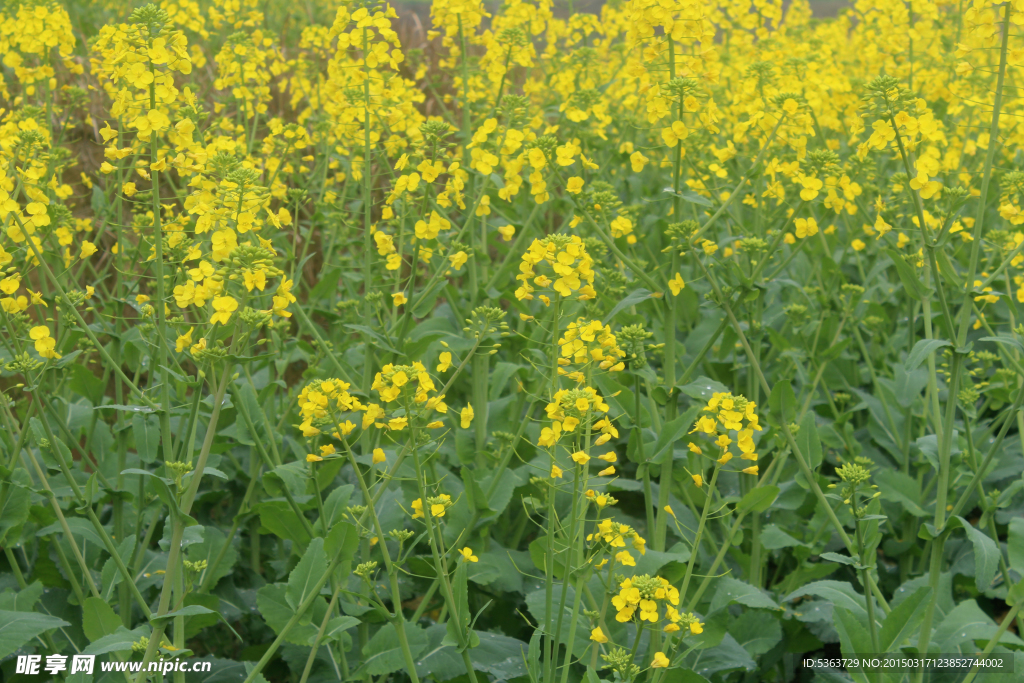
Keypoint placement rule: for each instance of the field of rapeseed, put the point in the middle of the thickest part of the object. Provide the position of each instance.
(673, 343)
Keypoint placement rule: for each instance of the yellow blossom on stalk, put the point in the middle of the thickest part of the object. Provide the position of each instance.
(223, 307)
(445, 361)
(598, 636)
(676, 284)
(398, 298)
(644, 594)
(580, 458)
(466, 417)
(556, 472)
(660, 661)
(575, 185)
(568, 258)
(44, 343)
(183, 341)
(468, 556)
(378, 456)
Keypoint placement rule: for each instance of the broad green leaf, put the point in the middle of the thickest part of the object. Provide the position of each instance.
(808, 442)
(898, 487)
(383, 654)
(23, 600)
(902, 622)
(853, 637)
(186, 611)
(911, 282)
(15, 500)
(966, 623)
(120, 640)
(213, 545)
(774, 538)
(757, 631)
(839, 593)
(758, 499)
(274, 608)
(1015, 544)
(98, 619)
(986, 553)
(728, 590)
(303, 580)
(18, 628)
(922, 349)
(146, 430)
(782, 403)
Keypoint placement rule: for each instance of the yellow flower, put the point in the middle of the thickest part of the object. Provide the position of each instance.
(437, 510)
(378, 456)
(624, 558)
(88, 249)
(458, 259)
(608, 457)
(668, 509)
(696, 628)
(312, 457)
(660, 661)
(445, 361)
(398, 298)
(637, 160)
(44, 343)
(676, 284)
(607, 472)
(417, 508)
(468, 556)
(580, 458)
(575, 185)
(698, 480)
(858, 245)
(598, 636)
(556, 472)
(466, 417)
(224, 307)
(751, 470)
(183, 341)
(506, 232)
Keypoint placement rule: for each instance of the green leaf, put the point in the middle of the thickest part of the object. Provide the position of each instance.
(902, 622)
(808, 441)
(842, 559)
(703, 388)
(757, 631)
(911, 282)
(338, 625)
(1015, 544)
(966, 623)
(98, 619)
(758, 499)
(210, 547)
(1004, 339)
(683, 676)
(277, 517)
(853, 637)
(631, 299)
(18, 628)
(782, 403)
(274, 608)
(922, 349)
(986, 553)
(119, 641)
(839, 593)
(669, 435)
(774, 538)
(146, 430)
(729, 590)
(383, 654)
(898, 487)
(302, 582)
(15, 501)
(187, 611)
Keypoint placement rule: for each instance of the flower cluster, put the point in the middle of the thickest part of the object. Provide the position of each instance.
(585, 342)
(411, 387)
(577, 409)
(568, 258)
(321, 403)
(729, 414)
